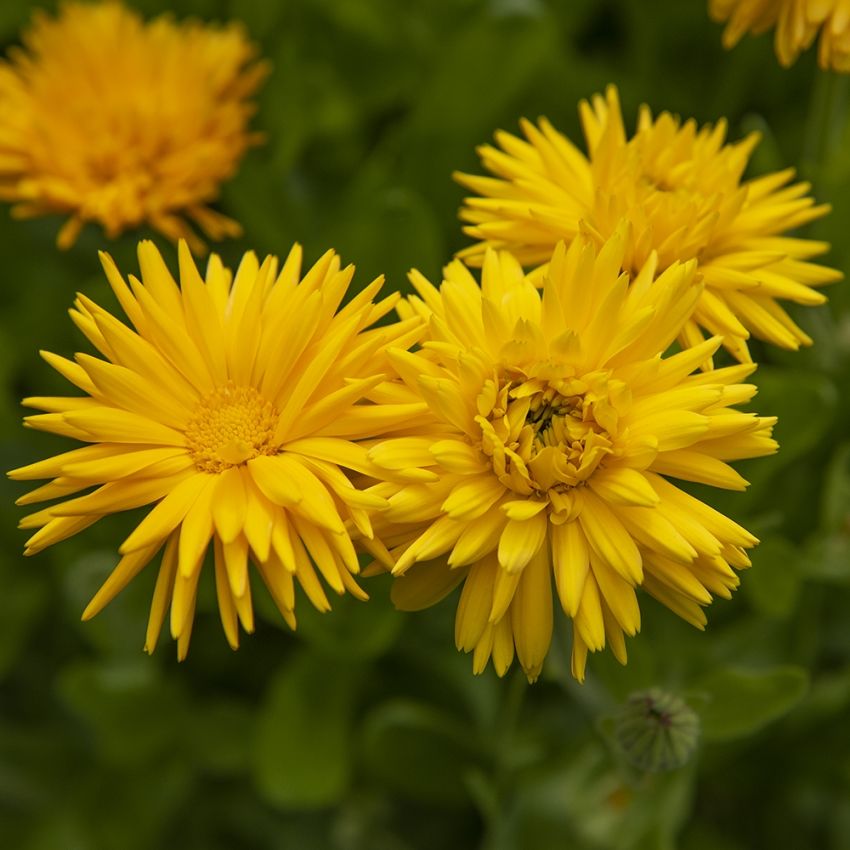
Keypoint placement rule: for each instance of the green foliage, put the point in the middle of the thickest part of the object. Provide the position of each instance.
(302, 753)
(741, 702)
(365, 730)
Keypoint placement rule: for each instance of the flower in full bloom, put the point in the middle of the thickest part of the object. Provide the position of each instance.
(235, 406)
(797, 23)
(681, 188)
(560, 425)
(110, 119)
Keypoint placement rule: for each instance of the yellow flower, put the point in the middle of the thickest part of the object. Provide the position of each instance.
(562, 424)
(235, 404)
(797, 23)
(680, 187)
(106, 118)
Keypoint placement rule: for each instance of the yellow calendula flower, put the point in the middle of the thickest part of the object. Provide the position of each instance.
(681, 188)
(234, 406)
(562, 425)
(109, 119)
(797, 23)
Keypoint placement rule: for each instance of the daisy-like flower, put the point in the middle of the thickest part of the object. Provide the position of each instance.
(562, 424)
(234, 406)
(797, 24)
(109, 119)
(681, 189)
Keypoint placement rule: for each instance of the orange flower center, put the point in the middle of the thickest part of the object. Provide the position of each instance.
(232, 425)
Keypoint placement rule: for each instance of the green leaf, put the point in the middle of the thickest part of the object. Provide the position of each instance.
(302, 750)
(18, 615)
(805, 403)
(826, 558)
(419, 751)
(121, 702)
(835, 504)
(741, 702)
(483, 68)
(773, 585)
(220, 736)
(401, 232)
(119, 629)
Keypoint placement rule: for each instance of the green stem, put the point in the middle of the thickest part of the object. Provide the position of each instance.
(501, 785)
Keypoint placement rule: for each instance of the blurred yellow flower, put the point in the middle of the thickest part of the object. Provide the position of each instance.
(561, 423)
(234, 404)
(109, 119)
(680, 187)
(797, 23)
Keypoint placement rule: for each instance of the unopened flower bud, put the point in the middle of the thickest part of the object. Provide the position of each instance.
(657, 731)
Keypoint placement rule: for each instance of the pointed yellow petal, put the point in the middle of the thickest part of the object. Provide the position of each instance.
(521, 540)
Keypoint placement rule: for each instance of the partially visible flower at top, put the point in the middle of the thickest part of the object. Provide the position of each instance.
(109, 119)
(562, 424)
(797, 23)
(235, 407)
(681, 188)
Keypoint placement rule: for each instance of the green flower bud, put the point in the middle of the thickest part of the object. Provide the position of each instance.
(657, 731)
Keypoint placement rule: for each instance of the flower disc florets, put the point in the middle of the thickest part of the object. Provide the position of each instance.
(232, 425)
(546, 437)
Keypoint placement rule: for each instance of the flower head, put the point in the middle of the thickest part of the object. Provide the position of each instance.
(559, 427)
(681, 189)
(234, 406)
(110, 119)
(797, 23)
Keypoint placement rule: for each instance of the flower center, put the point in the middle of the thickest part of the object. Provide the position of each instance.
(232, 425)
(549, 437)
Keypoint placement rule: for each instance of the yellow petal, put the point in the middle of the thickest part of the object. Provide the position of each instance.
(617, 594)
(229, 504)
(571, 562)
(623, 486)
(226, 608)
(521, 540)
(424, 585)
(473, 497)
(166, 515)
(474, 605)
(196, 529)
(277, 478)
(162, 593)
(609, 539)
(479, 537)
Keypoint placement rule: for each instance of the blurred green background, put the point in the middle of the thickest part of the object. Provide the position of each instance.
(366, 730)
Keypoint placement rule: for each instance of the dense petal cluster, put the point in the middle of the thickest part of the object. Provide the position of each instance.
(235, 406)
(109, 119)
(555, 425)
(797, 24)
(681, 188)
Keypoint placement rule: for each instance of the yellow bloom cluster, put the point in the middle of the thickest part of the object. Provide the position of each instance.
(797, 24)
(529, 434)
